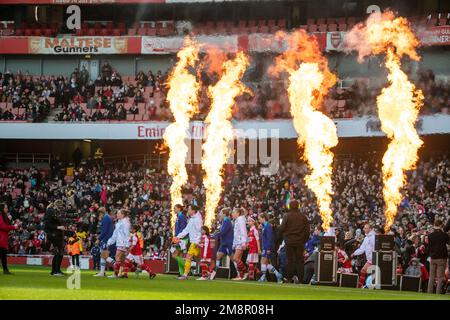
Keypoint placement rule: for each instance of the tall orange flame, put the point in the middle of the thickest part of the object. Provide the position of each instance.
(183, 100)
(309, 80)
(399, 102)
(219, 131)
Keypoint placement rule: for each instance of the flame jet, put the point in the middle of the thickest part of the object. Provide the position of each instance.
(309, 81)
(183, 100)
(219, 131)
(398, 104)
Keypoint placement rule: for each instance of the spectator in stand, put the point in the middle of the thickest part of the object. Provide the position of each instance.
(438, 241)
(141, 79)
(5, 228)
(106, 71)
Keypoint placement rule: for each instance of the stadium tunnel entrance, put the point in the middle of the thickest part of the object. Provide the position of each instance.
(22, 153)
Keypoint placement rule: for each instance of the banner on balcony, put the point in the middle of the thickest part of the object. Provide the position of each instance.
(78, 45)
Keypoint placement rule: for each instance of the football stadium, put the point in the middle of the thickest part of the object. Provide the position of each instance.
(224, 150)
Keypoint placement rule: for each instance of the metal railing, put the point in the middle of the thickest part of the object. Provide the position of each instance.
(146, 159)
(33, 158)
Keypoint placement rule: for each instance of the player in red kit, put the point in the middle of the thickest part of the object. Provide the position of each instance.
(254, 248)
(206, 253)
(135, 260)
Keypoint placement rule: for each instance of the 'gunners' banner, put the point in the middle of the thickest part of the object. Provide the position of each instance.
(78, 45)
(435, 36)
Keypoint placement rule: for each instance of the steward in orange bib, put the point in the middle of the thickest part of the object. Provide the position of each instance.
(73, 249)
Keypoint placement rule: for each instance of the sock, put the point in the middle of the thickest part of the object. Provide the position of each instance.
(242, 268)
(204, 268)
(187, 267)
(146, 268)
(102, 265)
(126, 268)
(237, 269)
(264, 271)
(117, 267)
(251, 271)
(180, 262)
(272, 268)
(217, 265)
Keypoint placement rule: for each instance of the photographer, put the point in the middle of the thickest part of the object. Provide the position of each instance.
(54, 228)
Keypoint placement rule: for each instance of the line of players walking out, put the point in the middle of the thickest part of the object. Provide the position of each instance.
(233, 240)
(121, 246)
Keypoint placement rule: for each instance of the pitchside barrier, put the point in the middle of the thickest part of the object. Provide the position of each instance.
(86, 262)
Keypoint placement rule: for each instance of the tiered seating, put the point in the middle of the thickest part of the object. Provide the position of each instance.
(152, 99)
(241, 27)
(37, 29)
(153, 28)
(101, 29)
(329, 24)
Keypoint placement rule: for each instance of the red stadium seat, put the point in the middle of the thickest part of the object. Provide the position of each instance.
(229, 24)
(142, 32)
(116, 32)
(37, 32)
(254, 29)
(18, 32)
(312, 28)
(28, 32)
(104, 32)
(220, 24)
(442, 21)
(321, 21)
(342, 27)
(271, 23)
(264, 29)
(332, 27)
(152, 31)
(251, 23)
(262, 23)
(242, 24)
(340, 20)
(282, 23)
(48, 32)
(351, 20)
(310, 21)
(91, 32)
(131, 32)
(274, 29)
(322, 28)
(330, 20)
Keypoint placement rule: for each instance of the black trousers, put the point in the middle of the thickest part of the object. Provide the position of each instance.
(58, 251)
(4, 259)
(295, 261)
(76, 260)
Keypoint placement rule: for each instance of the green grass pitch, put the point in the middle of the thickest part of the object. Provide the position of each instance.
(35, 283)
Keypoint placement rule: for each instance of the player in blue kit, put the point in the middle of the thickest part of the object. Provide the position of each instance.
(225, 237)
(267, 247)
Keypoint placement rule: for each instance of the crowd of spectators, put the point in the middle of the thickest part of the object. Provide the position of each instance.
(145, 191)
(110, 97)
